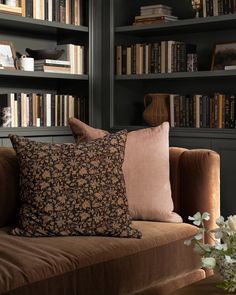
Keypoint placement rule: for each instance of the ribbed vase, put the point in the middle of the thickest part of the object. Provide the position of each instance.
(156, 108)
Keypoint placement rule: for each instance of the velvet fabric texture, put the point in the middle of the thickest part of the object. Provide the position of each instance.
(69, 189)
(146, 170)
(99, 265)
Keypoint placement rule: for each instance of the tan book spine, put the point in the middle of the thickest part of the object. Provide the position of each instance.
(128, 61)
(220, 111)
(68, 10)
(22, 5)
(10, 9)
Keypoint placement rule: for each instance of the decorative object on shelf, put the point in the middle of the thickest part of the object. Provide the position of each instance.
(196, 4)
(224, 55)
(192, 65)
(156, 108)
(44, 53)
(7, 55)
(154, 14)
(222, 254)
(26, 63)
(6, 117)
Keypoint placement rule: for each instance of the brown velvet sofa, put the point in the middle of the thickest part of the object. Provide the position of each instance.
(156, 264)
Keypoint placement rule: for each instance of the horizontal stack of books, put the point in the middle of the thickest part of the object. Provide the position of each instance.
(203, 111)
(43, 110)
(154, 14)
(146, 58)
(52, 66)
(217, 7)
(10, 9)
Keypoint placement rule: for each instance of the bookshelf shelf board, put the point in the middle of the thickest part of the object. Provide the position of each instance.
(183, 25)
(27, 24)
(188, 132)
(35, 131)
(43, 75)
(180, 75)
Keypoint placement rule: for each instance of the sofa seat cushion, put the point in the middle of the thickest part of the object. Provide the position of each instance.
(95, 265)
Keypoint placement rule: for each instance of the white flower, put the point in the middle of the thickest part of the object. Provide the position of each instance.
(218, 233)
(198, 236)
(188, 242)
(232, 222)
(228, 259)
(206, 216)
(208, 262)
(220, 221)
(219, 246)
(197, 218)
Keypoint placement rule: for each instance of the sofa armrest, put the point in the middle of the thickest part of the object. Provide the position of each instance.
(195, 182)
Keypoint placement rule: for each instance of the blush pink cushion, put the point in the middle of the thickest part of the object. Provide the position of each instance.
(146, 170)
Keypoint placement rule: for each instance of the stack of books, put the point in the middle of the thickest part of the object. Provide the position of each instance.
(154, 14)
(52, 66)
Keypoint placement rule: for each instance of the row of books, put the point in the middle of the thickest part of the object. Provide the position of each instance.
(74, 62)
(203, 111)
(154, 14)
(64, 11)
(161, 57)
(37, 110)
(217, 7)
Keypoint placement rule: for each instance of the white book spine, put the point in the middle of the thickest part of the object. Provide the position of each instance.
(50, 10)
(48, 109)
(15, 114)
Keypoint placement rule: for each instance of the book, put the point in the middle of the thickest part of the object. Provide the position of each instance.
(52, 62)
(233, 67)
(53, 69)
(10, 9)
(155, 17)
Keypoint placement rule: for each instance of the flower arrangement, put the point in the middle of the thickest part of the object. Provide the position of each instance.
(222, 253)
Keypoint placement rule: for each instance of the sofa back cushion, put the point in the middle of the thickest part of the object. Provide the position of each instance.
(68, 189)
(146, 170)
(9, 189)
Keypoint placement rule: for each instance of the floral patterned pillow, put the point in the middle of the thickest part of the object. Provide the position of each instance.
(69, 189)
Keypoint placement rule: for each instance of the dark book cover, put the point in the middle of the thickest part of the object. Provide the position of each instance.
(182, 57)
(177, 111)
(203, 112)
(53, 110)
(124, 60)
(187, 111)
(18, 98)
(46, 9)
(72, 12)
(58, 111)
(30, 109)
(220, 7)
(191, 111)
(29, 8)
(42, 113)
(133, 59)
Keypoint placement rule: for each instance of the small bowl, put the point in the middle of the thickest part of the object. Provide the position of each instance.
(45, 53)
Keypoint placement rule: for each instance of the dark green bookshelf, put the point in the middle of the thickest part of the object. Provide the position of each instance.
(124, 94)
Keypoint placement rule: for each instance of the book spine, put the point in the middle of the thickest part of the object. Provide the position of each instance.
(29, 8)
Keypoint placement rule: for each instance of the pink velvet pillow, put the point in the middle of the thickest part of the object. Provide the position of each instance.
(146, 170)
